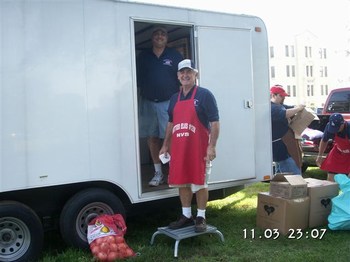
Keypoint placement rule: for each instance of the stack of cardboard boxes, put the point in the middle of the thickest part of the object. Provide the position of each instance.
(295, 203)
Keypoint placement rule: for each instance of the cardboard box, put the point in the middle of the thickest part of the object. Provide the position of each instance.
(320, 192)
(282, 214)
(302, 120)
(288, 186)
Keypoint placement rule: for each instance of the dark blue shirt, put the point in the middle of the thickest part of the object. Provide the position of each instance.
(279, 121)
(279, 129)
(326, 135)
(157, 77)
(205, 105)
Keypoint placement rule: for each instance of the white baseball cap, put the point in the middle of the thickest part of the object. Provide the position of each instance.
(186, 63)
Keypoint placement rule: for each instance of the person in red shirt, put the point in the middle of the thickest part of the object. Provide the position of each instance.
(191, 137)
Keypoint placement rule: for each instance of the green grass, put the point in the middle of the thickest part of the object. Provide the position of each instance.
(231, 216)
(315, 172)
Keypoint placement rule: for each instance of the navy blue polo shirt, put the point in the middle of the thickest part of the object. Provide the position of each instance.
(279, 129)
(205, 105)
(279, 121)
(157, 77)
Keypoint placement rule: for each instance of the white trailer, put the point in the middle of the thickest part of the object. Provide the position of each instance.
(70, 147)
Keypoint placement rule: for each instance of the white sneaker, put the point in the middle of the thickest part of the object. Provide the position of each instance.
(157, 180)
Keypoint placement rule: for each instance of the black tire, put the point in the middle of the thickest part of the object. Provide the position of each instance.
(21, 233)
(81, 209)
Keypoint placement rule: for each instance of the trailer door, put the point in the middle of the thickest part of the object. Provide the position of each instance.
(225, 68)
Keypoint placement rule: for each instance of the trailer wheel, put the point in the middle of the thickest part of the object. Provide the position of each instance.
(21, 232)
(81, 209)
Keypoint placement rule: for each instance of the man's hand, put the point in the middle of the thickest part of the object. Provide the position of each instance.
(319, 160)
(300, 107)
(164, 150)
(211, 153)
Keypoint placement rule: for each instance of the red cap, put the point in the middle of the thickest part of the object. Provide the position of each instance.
(278, 90)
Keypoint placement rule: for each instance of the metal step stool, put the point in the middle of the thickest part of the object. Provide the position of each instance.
(182, 233)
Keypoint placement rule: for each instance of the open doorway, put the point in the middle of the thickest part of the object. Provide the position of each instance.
(180, 38)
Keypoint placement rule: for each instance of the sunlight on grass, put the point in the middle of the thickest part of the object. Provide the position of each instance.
(244, 199)
(315, 172)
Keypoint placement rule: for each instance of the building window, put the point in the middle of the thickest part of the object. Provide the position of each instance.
(287, 51)
(324, 90)
(311, 71)
(288, 71)
(288, 90)
(273, 72)
(292, 51)
(325, 72)
(293, 71)
(310, 90)
(291, 90)
(308, 51)
(272, 52)
(323, 53)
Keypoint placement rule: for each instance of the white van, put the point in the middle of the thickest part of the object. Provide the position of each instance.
(70, 148)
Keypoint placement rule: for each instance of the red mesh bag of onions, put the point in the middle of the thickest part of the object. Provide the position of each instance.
(106, 238)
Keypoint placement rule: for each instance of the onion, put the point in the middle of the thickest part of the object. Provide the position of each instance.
(119, 239)
(113, 247)
(129, 252)
(102, 256)
(104, 247)
(99, 240)
(122, 246)
(95, 250)
(112, 256)
(110, 239)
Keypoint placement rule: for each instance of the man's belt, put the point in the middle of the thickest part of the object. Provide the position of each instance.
(278, 139)
(157, 100)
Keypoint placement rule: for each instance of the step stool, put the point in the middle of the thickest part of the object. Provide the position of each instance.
(185, 232)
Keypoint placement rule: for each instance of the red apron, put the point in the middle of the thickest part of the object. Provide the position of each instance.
(338, 159)
(189, 145)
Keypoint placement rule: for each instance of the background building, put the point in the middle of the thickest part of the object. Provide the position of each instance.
(302, 66)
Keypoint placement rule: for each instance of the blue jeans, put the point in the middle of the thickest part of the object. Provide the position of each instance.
(288, 166)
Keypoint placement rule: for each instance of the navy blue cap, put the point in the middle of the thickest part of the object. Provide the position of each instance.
(335, 121)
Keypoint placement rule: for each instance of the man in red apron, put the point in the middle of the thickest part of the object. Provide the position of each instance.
(190, 139)
(338, 159)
